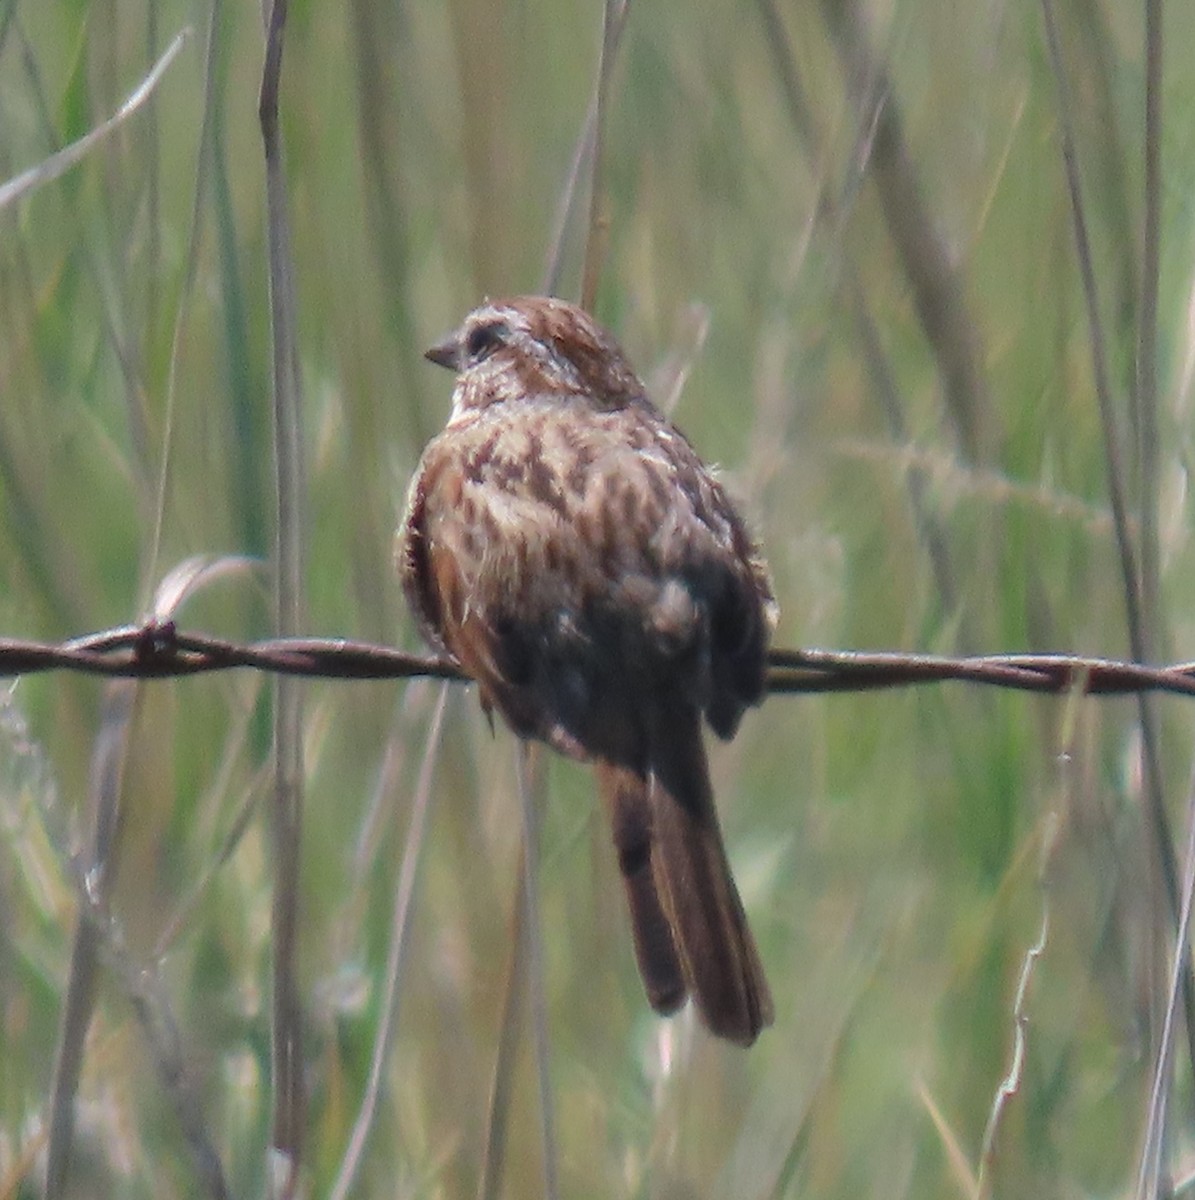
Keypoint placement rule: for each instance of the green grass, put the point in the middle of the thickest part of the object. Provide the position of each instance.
(891, 847)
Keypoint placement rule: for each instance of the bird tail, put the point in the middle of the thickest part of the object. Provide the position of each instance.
(625, 793)
(691, 934)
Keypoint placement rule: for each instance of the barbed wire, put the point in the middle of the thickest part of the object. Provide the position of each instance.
(160, 650)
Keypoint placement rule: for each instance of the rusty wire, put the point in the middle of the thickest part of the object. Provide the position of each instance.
(160, 650)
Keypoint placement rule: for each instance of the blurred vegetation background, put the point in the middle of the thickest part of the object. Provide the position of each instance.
(846, 227)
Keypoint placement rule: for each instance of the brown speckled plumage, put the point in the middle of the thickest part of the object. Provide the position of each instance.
(566, 545)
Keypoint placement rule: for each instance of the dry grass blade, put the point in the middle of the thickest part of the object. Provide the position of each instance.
(1114, 467)
(57, 164)
(98, 939)
(613, 21)
(287, 1054)
(493, 1160)
(211, 58)
(1010, 1085)
(1147, 327)
(145, 991)
(400, 923)
(956, 1156)
(566, 205)
(97, 872)
(530, 781)
(95, 933)
(1099, 358)
(1150, 1176)
(21, 1165)
(191, 576)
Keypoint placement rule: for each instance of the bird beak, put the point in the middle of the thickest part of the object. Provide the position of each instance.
(446, 353)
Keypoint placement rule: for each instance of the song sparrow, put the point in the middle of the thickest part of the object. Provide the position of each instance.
(565, 544)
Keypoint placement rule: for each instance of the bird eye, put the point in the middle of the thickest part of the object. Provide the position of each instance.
(483, 340)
